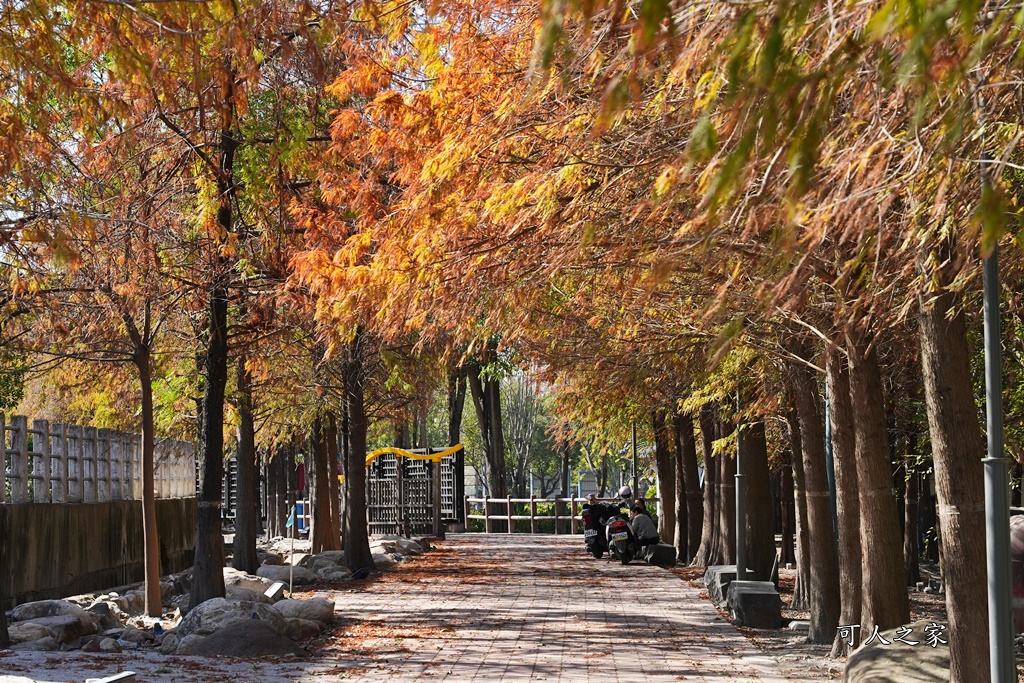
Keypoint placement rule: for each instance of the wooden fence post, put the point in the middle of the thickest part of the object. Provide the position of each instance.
(465, 512)
(487, 515)
(73, 447)
(19, 439)
(557, 504)
(101, 460)
(533, 514)
(41, 461)
(572, 512)
(511, 523)
(90, 466)
(59, 450)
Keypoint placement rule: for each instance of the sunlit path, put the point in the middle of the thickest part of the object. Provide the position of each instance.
(516, 608)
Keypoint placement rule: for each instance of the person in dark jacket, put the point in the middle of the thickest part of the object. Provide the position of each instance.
(644, 530)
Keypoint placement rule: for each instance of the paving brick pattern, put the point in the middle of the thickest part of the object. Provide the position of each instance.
(484, 608)
(556, 614)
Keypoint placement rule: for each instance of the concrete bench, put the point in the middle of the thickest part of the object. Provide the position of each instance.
(755, 604)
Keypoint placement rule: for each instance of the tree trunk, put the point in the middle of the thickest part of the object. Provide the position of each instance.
(357, 540)
(760, 505)
(802, 587)
(956, 453)
(688, 535)
(726, 504)
(787, 508)
(566, 452)
(911, 553)
(322, 534)
(666, 479)
(707, 554)
(332, 478)
(486, 393)
(245, 515)
(823, 562)
(151, 538)
(884, 593)
(844, 454)
(208, 570)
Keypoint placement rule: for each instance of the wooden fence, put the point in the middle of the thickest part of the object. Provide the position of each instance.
(53, 462)
(570, 506)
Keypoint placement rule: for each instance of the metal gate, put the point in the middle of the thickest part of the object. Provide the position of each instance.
(401, 492)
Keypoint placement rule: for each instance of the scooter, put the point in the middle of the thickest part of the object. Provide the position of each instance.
(595, 520)
(621, 542)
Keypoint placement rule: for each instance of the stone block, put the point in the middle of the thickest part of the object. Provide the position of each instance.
(717, 579)
(755, 604)
(662, 555)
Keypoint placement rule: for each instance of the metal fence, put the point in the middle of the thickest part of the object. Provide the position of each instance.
(53, 462)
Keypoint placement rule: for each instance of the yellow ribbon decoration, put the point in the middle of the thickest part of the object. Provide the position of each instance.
(433, 457)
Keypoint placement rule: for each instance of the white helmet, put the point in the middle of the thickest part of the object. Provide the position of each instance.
(625, 492)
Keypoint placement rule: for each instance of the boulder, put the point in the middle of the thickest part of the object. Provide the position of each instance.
(234, 578)
(302, 629)
(46, 644)
(46, 608)
(301, 577)
(188, 644)
(331, 556)
(335, 575)
(66, 628)
(246, 595)
(91, 644)
(169, 644)
(215, 614)
(135, 635)
(269, 559)
(898, 662)
(396, 544)
(251, 638)
(106, 613)
(318, 609)
(383, 560)
(26, 632)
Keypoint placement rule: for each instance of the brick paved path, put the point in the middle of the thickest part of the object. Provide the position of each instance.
(481, 608)
(538, 608)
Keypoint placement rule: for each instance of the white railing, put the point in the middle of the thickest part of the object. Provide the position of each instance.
(53, 462)
(563, 510)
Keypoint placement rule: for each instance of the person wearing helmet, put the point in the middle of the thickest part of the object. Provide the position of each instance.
(626, 496)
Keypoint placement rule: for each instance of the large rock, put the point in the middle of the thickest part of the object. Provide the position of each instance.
(314, 609)
(383, 560)
(106, 613)
(46, 644)
(250, 638)
(235, 578)
(47, 608)
(246, 595)
(215, 614)
(333, 575)
(302, 576)
(27, 631)
(66, 629)
(899, 662)
(396, 544)
(302, 629)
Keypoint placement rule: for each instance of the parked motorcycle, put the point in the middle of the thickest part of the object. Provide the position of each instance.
(621, 542)
(595, 521)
